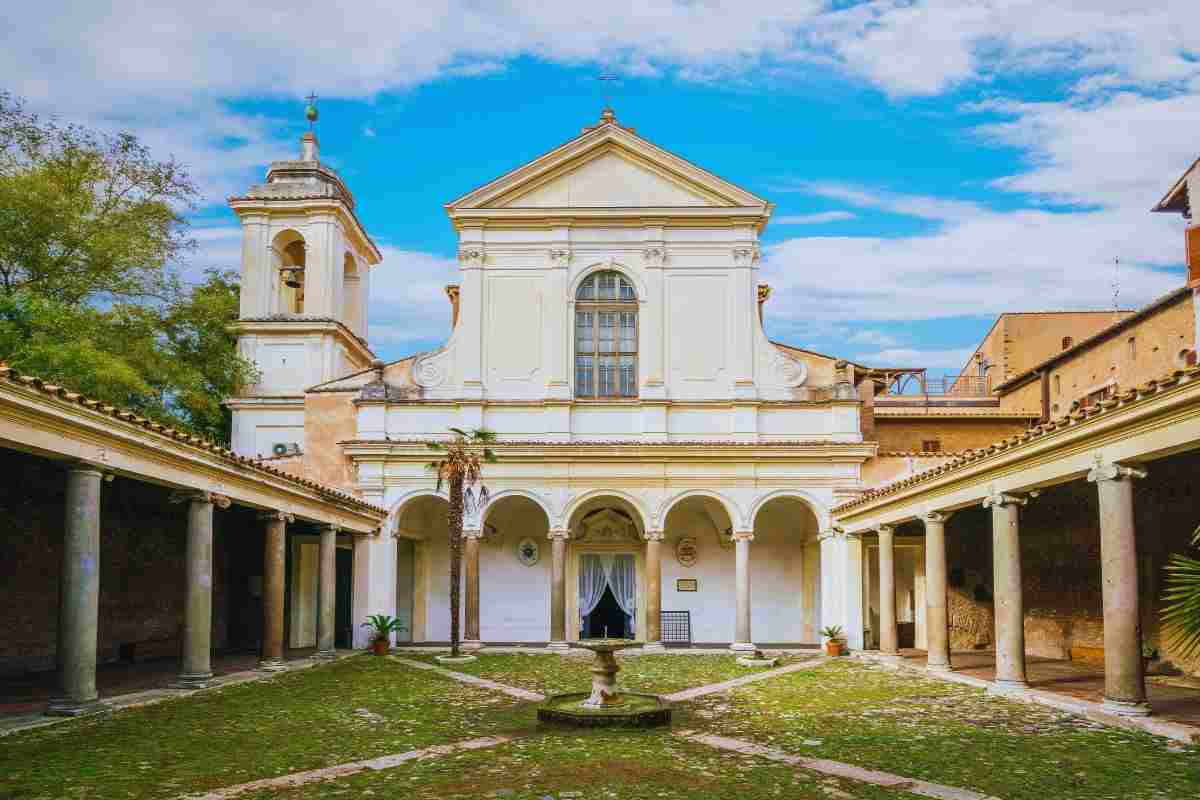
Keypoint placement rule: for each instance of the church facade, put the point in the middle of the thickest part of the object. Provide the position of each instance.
(657, 452)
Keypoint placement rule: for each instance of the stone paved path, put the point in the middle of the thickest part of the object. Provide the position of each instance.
(835, 768)
(474, 680)
(343, 770)
(713, 688)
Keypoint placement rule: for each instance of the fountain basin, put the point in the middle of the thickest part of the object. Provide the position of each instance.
(633, 710)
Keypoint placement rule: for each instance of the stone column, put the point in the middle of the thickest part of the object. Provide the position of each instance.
(742, 642)
(195, 671)
(1009, 604)
(471, 540)
(558, 588)
(653, 637)
(937, 620)
(1124, 679)
(327, 593)
(79, 595)
(274, 545)
(887, 591)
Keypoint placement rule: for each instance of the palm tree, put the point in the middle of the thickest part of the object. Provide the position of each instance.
(1181, 616)
(460, 465)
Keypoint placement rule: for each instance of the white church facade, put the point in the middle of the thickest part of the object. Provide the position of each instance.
(657, 453)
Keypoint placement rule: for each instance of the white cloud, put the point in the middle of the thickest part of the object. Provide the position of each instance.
(872, 337)
(409, 311)
(951, 360)
(813, 219)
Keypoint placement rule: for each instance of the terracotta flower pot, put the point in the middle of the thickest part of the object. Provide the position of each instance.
(380, 647)
(833, 648)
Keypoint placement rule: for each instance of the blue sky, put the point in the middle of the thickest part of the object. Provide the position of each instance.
(933, 163)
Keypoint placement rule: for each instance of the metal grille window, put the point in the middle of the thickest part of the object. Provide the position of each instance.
(606, 337)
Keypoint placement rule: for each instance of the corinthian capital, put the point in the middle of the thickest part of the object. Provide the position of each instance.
(190, 495)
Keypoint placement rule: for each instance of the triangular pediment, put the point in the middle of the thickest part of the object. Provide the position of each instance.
(608, 166)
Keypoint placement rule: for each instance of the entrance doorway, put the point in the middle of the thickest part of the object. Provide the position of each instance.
(606, 620)
(607, 595)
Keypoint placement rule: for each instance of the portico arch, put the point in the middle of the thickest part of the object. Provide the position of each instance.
(732, 511)
(418, 525)
(785, 560)
(814, 506)
(596, 498)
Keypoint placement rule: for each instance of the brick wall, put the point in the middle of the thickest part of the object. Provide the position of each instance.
(142, 549)
(1060, 562)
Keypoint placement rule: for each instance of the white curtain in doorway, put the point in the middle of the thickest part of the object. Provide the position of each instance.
(593, 579)
(622, 577)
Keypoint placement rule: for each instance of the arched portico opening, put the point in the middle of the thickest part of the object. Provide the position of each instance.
(785, 561)
(605, 569)
(423, 568)
(513, 569)
(698, 569)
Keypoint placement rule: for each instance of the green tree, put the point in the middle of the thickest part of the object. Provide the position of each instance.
(460, 467)
(86, 215)
(1181, 614)
(91, 228)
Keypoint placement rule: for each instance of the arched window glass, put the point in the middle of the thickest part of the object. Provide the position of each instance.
(606, 337)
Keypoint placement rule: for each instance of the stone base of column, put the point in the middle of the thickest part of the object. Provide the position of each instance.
(744, 647)
(558, 647)
(66, 707)
(471, 646)
(325, 655)
(1007, 687)
(271, 665)
(932, 666)
(654, 647)
(192, 680)
(1126, 708)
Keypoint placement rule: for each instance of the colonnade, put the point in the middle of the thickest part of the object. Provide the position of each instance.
(653, 598)
(79, 591)
(1124, 681)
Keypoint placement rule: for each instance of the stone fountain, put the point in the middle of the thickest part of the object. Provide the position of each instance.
(605, 706)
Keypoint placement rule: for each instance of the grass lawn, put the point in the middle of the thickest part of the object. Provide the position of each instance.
(950, 734)
(591, 765)
(364, 707)
(295, 721)
(550, 673)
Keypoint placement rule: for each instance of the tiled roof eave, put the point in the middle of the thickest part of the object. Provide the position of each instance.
(1034, 435)
(181, 438)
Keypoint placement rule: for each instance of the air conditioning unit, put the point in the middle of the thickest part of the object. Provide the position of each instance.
(286, 448)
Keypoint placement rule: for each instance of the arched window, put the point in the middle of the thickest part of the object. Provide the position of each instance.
(606, 337)
(290, 258)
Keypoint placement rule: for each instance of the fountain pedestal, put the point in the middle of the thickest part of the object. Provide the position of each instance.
(605, 706)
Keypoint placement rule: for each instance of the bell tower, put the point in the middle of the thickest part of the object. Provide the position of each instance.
(306, 261)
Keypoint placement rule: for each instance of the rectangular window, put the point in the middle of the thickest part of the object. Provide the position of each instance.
(607, 378)
(583, 376)
(1132, 348)
(628, 376)
(628, 332)
(931, 446)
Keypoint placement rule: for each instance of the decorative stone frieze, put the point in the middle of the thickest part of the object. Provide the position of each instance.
(654, 256)
(559, 257)
(471, 256)
(746, 256)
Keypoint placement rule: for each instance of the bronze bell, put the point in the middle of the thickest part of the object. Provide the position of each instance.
(293, 277)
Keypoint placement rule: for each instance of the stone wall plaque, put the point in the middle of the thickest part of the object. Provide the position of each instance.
(686, 551)
(687, 585)
(528, 551)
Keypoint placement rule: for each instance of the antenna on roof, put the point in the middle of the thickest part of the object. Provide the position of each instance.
(1116, 284)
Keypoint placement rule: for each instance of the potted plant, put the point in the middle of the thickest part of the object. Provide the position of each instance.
(833, 639)
(382, 627)
(1149, 654)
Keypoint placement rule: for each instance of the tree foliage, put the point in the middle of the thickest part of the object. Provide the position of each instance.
(91, 228)
(460, 468)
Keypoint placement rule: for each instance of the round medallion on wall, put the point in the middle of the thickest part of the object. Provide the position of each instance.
(686, 551)
(528, 551)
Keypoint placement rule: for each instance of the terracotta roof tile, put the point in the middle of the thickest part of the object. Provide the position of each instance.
(224, 453)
